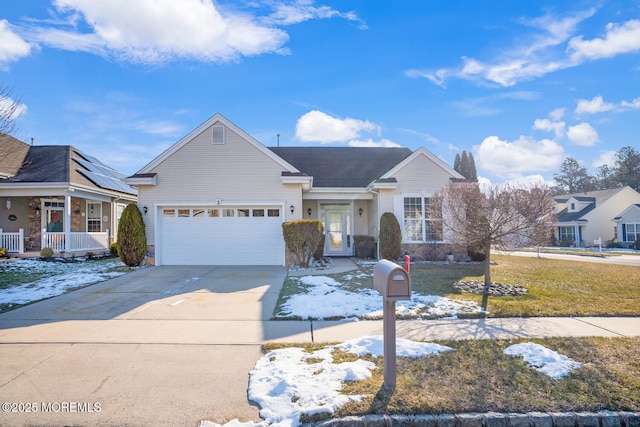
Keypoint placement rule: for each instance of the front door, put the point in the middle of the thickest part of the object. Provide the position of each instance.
(337, 227)
(54, 217)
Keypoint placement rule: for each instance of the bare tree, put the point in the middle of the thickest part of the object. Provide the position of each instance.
(495, 215)
(10, 110)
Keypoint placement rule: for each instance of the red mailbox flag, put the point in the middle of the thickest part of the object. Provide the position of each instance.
(407, 263)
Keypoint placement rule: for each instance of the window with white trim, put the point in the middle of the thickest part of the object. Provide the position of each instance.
(567, 233)
(94, 217)
(418, 225)
(632, 232)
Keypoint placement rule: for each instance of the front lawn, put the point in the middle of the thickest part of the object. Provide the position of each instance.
(555, 288)
(28, 280)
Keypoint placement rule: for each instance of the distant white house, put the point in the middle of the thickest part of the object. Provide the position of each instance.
(628, 226)
(606, 215)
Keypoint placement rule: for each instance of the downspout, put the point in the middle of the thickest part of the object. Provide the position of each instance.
(377, 219)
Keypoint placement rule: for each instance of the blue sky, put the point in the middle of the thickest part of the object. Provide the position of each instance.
(520, 84)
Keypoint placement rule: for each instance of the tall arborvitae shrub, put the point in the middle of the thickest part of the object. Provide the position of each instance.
(132, 238)
(302, 238)
(390, 237)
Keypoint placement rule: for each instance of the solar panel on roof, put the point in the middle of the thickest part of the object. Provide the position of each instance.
(107, 182)
(99, 168)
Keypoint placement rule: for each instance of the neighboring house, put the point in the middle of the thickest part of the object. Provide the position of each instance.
(628, 226)
(584, 218)
(218, 196)
(56, 196)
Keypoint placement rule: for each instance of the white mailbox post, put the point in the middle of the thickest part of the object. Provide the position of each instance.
(394, 284)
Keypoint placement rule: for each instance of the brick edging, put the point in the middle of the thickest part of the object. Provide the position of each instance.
(491, 419)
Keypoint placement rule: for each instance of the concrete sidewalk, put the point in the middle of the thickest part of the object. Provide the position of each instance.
(169, 346)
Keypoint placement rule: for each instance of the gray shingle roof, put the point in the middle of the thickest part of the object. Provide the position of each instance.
(55, 163)
(597, 198)
(12, 154)
(342, 166)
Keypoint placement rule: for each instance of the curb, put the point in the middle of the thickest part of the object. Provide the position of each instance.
(491, 419)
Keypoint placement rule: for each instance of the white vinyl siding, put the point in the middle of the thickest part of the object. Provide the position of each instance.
(203, 173)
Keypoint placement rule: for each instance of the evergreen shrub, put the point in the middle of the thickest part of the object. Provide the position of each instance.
(390, 237)
(132, 238)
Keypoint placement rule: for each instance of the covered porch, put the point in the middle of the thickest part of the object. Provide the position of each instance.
(67, 223)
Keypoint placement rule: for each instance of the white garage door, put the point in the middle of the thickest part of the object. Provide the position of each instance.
(221, 235)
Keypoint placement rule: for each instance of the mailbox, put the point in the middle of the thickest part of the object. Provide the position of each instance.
(391, 281)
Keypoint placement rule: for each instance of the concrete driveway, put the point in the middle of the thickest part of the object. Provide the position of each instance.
(153, 347)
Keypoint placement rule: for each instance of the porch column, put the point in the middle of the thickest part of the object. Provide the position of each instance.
(67, 222)
(577, 234)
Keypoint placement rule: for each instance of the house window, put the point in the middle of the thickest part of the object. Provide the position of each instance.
(418, 226)
(567, 233)
(632, 232)
(94, 217)
(217, 135)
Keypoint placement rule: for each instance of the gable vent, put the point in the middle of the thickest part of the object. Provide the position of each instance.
(217, 133)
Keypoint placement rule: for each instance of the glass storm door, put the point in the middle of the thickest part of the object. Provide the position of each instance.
(54, 216)
(337, 226)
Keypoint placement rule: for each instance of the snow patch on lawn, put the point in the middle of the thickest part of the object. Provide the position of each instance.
(62, 277)
(290, 382)
(548, 362)
(325, 298)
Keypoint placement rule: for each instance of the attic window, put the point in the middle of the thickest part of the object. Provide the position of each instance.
(217, 133)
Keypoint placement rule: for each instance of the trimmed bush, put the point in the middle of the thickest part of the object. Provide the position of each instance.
(132, 238)
(46, 252)
(365, 246)
(302, 238)
(319, 253)
(390, 237)
(3, 252)
(113, 249)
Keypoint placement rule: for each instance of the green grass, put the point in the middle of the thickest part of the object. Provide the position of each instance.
(478, 377)
(563, 288)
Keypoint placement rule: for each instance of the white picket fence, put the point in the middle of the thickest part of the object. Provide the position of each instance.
(13, 242)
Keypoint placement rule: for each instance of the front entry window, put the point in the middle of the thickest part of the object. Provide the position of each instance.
(94, 215)
(335, 231)
(54, 216)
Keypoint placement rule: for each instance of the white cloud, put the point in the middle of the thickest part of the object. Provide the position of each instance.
(535, 57)
(618, 39)
(304, 10)
(582, 134)
(12, 46)
(543, 52)
(371, 143)
(550, 126)
(556, 114)
(635, 104)
(157, 31)
(605, 158)
(316, 126)
(513, 159)
(9, 108)
(160, 31)
(596, 105)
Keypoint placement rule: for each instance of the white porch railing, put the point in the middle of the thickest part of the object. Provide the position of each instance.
(14, 242)
(78, 241)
